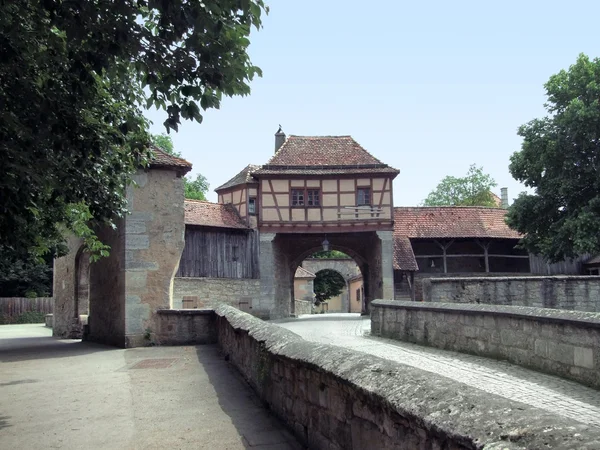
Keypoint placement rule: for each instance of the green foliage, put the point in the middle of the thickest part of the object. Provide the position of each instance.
(26, 317)
(330, 254)
(474, 189)
(74, 77)
(27, 277)
(165, 143)
(194, 189)
(327, 284)
(560, 161)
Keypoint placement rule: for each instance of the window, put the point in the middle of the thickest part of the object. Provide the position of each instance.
(252, 206)
(313, 197)
(358, 295)
(297, 197)
(308, 197)
(363, 196)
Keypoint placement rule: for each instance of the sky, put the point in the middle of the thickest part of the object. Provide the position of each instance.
(427, 87)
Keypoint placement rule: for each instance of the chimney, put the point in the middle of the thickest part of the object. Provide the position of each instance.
(504, 197)
(279, 138)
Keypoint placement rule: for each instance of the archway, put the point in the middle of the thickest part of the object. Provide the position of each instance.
(282, 253)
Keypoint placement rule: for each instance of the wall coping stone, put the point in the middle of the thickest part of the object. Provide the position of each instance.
(484, 421)
(557, 316)
(518, 278)
(186, 312)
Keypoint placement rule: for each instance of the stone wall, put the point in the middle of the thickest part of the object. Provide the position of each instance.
(579, 293)
(422, 277)
(64, 290)
(302, 307)
(154, 241)
(185, 327)
(209, 292)
(563, 343)
(334, 398)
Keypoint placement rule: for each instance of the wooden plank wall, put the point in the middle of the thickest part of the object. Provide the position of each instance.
(209, 252)
(13, 307)
(539, 266)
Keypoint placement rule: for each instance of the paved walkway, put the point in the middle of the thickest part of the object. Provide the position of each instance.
(542, 391)
(60, 394)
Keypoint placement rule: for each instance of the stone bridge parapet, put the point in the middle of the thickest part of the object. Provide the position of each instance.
(333, 397)
(563, 343)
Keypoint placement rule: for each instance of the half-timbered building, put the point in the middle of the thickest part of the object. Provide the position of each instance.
(328, 192)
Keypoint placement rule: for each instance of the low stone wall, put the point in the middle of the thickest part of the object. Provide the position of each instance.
(579, 293)
(211, 291)
(563, 343)
(334, 398)
(184, 327)
(302, 307)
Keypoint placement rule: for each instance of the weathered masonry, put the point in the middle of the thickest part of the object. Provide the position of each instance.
(115, 300)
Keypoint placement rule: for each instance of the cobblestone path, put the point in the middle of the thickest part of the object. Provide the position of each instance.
(559, 396)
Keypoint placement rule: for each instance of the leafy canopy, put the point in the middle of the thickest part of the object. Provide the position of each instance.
(330, 254)
(474, 189)
(560, 160)
(327, 284)
(194, 189)
(74, 77)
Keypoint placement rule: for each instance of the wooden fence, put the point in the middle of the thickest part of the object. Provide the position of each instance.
(11, 308)
(539, 266)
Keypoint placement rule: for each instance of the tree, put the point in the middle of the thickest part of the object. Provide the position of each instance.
(560, 160)
(194, 189)
(327, 284)
(330, 254)
(474, 189)
(165, 143)
(74, 78)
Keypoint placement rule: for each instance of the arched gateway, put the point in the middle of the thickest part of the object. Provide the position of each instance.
(316, 191)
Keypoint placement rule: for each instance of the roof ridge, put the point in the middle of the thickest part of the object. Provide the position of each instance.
(201, 201)
(451, 206)
(156, 148)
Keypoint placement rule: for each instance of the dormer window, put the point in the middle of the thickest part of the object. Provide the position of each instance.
(363, 197)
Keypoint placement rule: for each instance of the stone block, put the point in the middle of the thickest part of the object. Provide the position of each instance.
(562, 353)
(584, 357)
(135, 227)
(137, 242)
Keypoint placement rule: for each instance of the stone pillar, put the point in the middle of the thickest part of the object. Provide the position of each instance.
(387, 263)
(154, 241)
(64, 290)
(263, 306)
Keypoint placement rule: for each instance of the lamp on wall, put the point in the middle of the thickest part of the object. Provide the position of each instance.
(325, 245)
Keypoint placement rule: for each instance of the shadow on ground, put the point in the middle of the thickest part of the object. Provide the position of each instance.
(260, 428)
(48, 347)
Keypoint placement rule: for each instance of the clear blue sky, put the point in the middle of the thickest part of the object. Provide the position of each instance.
(427, 87)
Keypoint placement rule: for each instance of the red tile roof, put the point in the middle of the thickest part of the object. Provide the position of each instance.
(245, 176)
(452, 222)
(301, 272)
(323, 155)
(404, 258)
(198, 212)
(162, 159)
